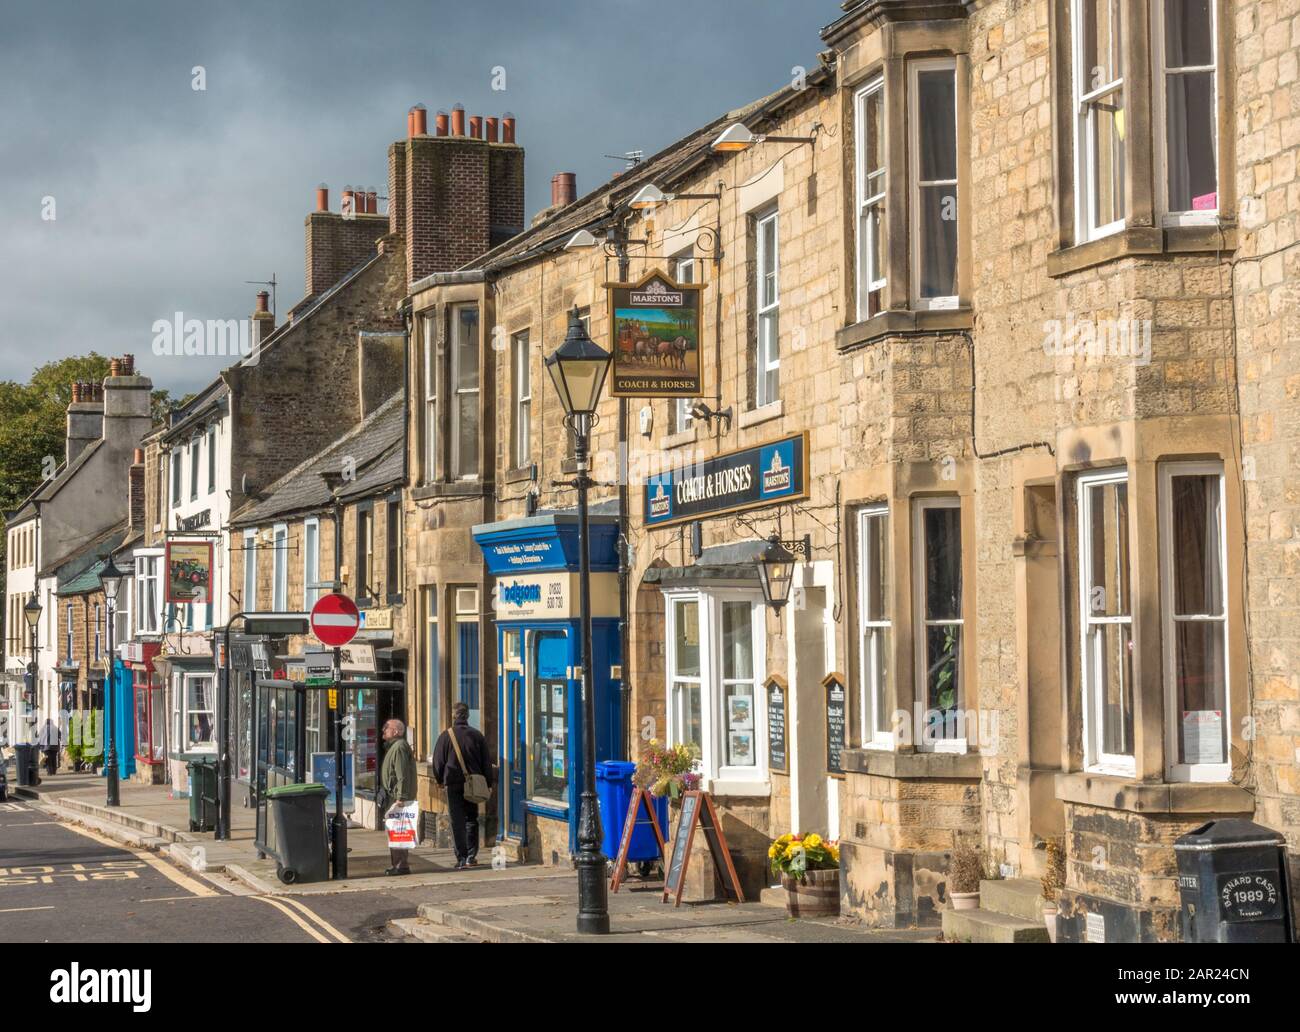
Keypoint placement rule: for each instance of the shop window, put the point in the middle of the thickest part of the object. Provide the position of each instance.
(1099, 117)
(151, 745)
(250, 571)
(933, 160)
(465, 653)
(1186, 109)
(1106, 622)
(365, 579)
(393, 547)
(548, 772)
(465, 385)
(875, 591)
(431, 437)
(521, 400)
(869, 109)
(937, 596)
(198, 718)
(714, 666)
(679, 409)
(1193, 564)
(280, 568)
(311, 590)
(767, 365)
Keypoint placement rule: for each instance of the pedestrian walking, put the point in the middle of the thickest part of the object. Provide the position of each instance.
(49, 741)
(460, 765)
(396, 785)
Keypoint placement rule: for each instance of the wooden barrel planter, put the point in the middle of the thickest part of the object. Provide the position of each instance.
(817, 894)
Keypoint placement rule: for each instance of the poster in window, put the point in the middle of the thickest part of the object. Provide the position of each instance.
(741, 746)
(189, 571)
(740, 712)
(1203, 736)
(655, 338)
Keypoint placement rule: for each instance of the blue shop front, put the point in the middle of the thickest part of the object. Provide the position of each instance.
(534, 561)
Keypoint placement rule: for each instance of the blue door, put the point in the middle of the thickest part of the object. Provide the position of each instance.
(518, 753)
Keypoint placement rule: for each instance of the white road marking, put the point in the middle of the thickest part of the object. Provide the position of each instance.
(292, 917)
(166, 870)
(312, 915)
(20, 910)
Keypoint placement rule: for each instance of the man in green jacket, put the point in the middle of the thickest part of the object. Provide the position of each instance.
(397, 783)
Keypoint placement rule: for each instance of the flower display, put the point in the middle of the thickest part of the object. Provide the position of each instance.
(667, 769)
(796, 855)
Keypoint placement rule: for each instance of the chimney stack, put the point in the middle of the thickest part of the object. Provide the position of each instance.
(507, 128)
(419, 120)
(458, 120)
(564, 189)
(322, 198)
(476, 127)
(372, 201)
(337, 245)
(263, 322)
(490, 126)
(440, 123)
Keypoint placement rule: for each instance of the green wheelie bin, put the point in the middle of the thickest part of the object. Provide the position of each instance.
(301, 838)
(203, 791)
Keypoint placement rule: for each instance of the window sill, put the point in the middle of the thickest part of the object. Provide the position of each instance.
(754, 416)
(455, 489)
(881, 764)
(687, 436)
(737, 789)
(921, 320)
(1143, 240)
(1114, 793)
(519, 474)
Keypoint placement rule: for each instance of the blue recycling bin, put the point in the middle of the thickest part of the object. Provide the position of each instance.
(614, 793)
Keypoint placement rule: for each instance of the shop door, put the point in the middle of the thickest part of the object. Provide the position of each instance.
(549, 719)
(518, 752)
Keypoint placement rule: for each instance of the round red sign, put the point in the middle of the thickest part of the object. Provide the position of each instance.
(335, 620)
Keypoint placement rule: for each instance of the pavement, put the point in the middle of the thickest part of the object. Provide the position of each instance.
(150, 879)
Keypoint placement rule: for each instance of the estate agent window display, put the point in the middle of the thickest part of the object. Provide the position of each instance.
(715, 669)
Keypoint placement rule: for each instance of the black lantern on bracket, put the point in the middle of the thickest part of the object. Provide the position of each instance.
(776, 568)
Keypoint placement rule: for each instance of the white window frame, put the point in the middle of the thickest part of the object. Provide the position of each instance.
(1095, 760)
(870, 189)
(196, 443)
(1177, 771)
(915, 184)
(457, 391)
(68, 635)
(718, 776)
(148, 573)
(767, 325)
(680, 417)
(920, 691)
(430, 399)
(99, 631)
(280, 568)
(183, 712)
(310, 562)
(871, 639)
(521, 386)
(123, 609)
(1082, 117)
(249, 601)
(1160, 132)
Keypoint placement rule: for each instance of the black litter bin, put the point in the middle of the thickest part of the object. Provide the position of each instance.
(203, 792)
(301, 842)
(27, 758)
(1232, 881)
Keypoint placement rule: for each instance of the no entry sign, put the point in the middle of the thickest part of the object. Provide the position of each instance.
(335, 619)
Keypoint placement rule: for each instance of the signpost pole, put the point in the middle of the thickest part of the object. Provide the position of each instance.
(338, 826)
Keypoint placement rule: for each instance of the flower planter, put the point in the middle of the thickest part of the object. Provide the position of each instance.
(817, 894)
(965, 900)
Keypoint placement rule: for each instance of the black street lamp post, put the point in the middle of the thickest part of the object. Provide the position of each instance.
(578, 369)
(32, 614)
(110, 579)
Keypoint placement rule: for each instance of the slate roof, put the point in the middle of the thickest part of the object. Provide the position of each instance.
(376, 447)
(80, 572)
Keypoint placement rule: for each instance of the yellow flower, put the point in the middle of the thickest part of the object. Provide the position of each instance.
(812, 841)
(793, 850)
(785, 839)
(771, 851)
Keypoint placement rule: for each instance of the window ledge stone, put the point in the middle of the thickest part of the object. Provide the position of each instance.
(1143, 240)
(731, 788)
(921, 320)
(884, 764)
(519, 474)
(753, 417)
(458, 489)
(1116, 793)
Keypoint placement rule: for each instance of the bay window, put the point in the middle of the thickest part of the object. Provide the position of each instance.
(1106, 622)
(714, 670)
(465, 386)
(875, 629)
(431, 437)
(937, 593)
(1098, 92)
(148, 593)
(1186, 107)
(1193, 567)
(869, 107)
(933, 146)
(768, 296)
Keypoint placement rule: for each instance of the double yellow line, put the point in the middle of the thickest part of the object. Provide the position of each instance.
(320, 929)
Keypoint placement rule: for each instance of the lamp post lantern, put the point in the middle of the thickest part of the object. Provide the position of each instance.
(110, 579)
(776, 568)
(32, 614)
(578, 368)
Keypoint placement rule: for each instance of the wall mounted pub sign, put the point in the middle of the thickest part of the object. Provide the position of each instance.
(189, 571)
(655, 338)
(744, 479)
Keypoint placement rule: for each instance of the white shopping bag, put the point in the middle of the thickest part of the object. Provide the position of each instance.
(403, 825)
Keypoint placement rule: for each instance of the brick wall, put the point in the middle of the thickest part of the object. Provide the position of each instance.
(336, 245)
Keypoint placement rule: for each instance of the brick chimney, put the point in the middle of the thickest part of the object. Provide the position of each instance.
(263, 322)
(452, 195)
(135, 512)
(336, 245)
(127, 403)
(85, 418)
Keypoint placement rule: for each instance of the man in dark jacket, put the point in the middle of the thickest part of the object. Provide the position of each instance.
(448, 773)
(397, 782)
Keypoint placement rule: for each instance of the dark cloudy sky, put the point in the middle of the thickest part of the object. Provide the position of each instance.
(168, 199)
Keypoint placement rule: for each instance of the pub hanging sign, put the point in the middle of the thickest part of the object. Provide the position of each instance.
(189, 571)
(744, 479)
(655, 338)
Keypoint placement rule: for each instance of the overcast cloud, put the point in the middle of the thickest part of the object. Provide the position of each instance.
(168, 199)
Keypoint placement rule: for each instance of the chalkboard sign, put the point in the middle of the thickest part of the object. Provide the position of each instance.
(640, 801)
(836, 722)
(697, 808)
(776, 742)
